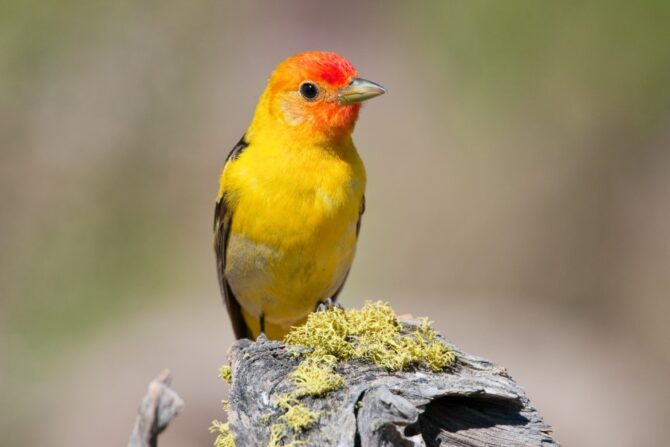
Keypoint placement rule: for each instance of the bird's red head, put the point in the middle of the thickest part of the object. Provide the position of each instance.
(318, 93)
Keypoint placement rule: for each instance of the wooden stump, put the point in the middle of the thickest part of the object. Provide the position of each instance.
(474, 403)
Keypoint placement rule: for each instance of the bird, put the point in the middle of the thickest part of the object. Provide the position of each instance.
(291, 196)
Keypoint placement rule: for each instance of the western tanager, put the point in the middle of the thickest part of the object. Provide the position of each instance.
(291, 196)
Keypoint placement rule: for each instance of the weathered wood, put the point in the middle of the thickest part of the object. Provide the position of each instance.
(160, 405)
(475, 403)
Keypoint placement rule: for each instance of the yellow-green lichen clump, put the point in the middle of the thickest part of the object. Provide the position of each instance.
(226, 374)
(224, 437)
(316, 376)
(298, 417)
(373, 334)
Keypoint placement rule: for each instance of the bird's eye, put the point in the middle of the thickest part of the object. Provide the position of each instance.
(309, 91)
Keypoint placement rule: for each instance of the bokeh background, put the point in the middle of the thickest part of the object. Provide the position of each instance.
(519, 195)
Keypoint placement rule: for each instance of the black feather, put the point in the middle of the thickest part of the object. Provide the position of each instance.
(222, 219)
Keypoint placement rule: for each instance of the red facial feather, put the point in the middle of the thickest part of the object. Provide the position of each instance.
(327, 67)
(319, 66)
(332, 72)
(336, 70)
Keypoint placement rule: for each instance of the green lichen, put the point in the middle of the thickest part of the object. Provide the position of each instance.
(316, 376)
(224, 437)
(279, 435)
(226, 374)
(298, 417)
(424, 347)
(295, 352)
(373, 334)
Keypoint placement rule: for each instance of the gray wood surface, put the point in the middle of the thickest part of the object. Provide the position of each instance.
(476, 403)
(160, 405)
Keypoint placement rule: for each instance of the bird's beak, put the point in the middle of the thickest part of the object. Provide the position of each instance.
(359, 90)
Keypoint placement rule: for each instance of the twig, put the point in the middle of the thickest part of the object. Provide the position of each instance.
(160, 405)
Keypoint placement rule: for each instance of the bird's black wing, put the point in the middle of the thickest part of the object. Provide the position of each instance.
(361, 210)
(222, 219)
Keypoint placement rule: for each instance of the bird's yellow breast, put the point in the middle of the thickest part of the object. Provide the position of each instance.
(293, 227)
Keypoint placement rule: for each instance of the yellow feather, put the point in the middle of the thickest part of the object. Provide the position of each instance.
(293, 234)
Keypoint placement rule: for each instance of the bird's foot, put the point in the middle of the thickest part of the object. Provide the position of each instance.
(327, 304)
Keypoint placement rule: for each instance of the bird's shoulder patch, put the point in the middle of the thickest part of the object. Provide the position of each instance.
(237, 150)
(222, 220)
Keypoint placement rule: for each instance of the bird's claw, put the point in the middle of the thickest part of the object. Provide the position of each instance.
(327, 304)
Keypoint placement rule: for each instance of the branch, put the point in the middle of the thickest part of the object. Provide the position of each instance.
(160, 405)
(473, 403)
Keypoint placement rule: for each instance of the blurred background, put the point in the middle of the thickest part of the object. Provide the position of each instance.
(519, 195)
